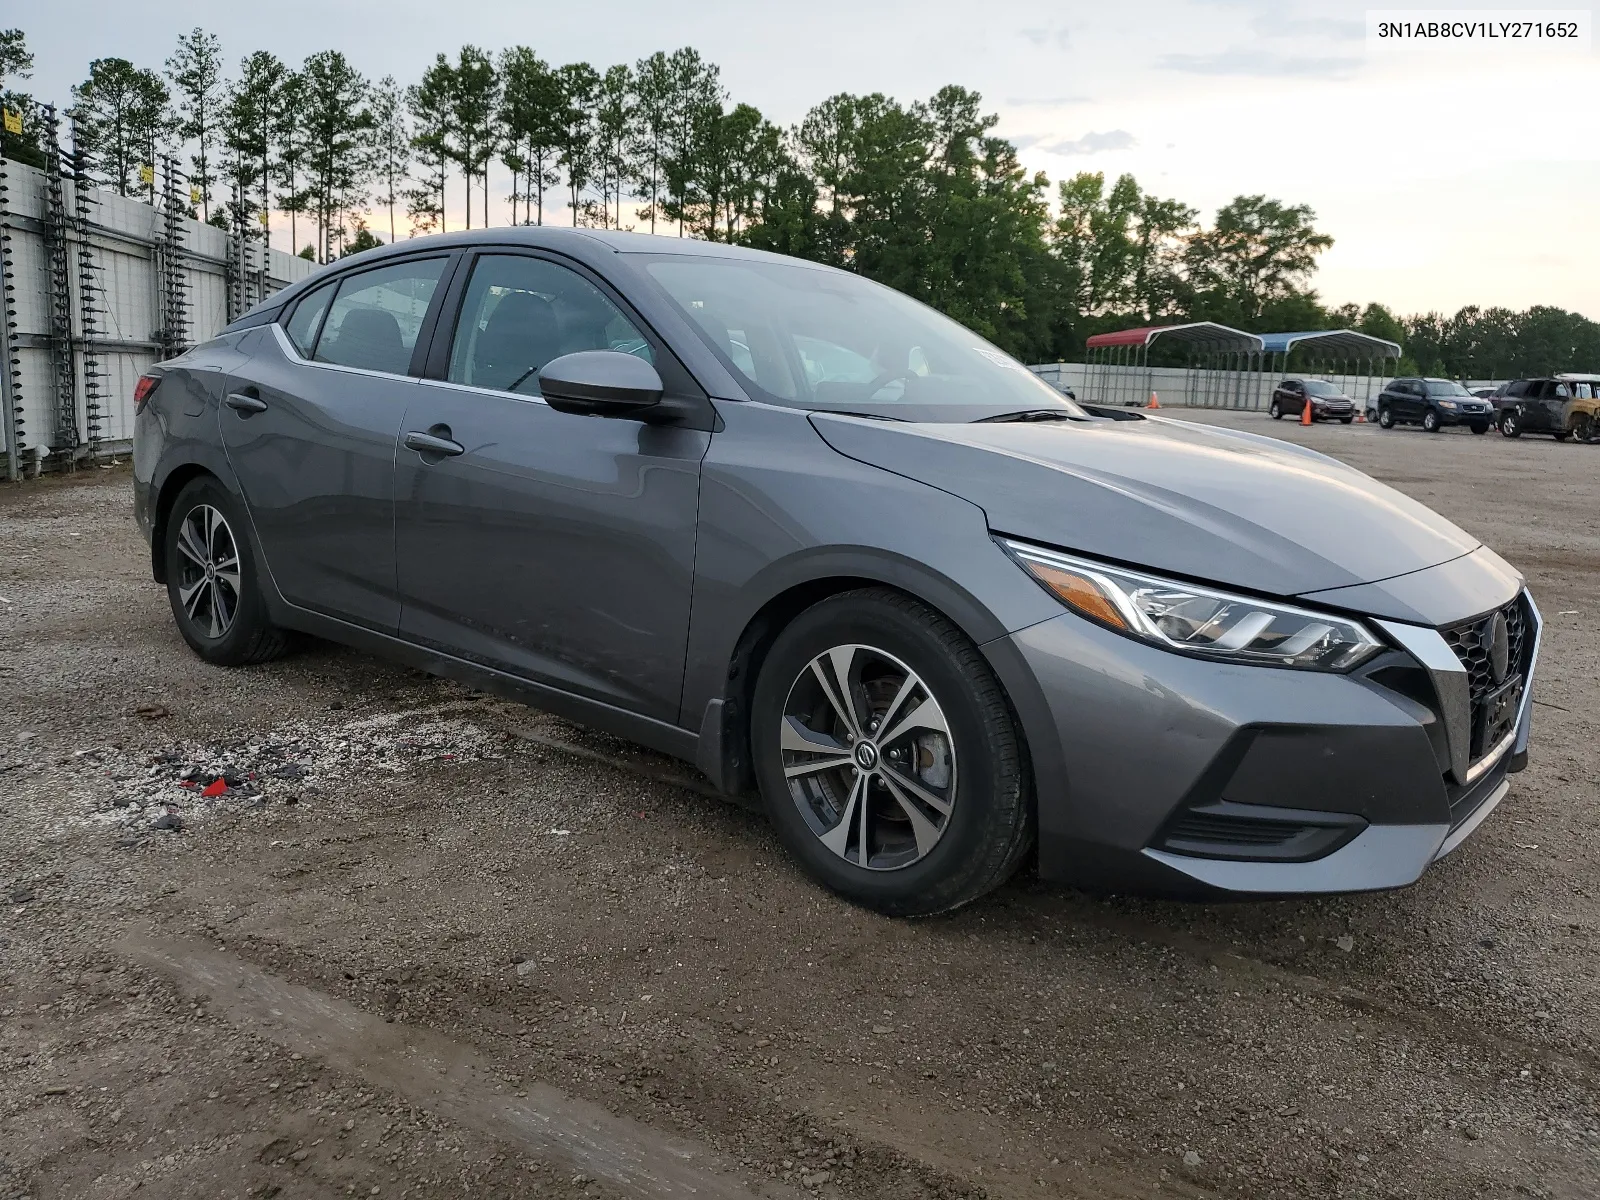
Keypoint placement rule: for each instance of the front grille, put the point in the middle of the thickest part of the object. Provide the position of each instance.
(1472, 643)
(1495, 702)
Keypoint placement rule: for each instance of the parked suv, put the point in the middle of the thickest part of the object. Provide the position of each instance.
(1563, 406)
(1328, 403)
(1433, 404)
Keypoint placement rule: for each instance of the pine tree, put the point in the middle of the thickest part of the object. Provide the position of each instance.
(391, 144)
(123, 111)
(652, 126)
(250, 120)
(337, 122)
(195, 69)
(579, 84)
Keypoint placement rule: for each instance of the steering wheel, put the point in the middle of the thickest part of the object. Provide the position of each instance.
(878, 383)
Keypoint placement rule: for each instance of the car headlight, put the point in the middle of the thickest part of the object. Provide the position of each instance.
(1198, 620)
(1447, 404)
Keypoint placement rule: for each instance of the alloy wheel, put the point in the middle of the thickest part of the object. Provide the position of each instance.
(868, 757)
(208, 572)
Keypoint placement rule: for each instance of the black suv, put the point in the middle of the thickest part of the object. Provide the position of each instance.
(1433, 404)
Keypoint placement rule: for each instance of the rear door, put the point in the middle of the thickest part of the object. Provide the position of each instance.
(556, 547)
(310, 424)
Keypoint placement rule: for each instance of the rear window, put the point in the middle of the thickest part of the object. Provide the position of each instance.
(302, 327)
(374, 321)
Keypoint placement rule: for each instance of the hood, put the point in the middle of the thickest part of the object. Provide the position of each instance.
(1231, 508)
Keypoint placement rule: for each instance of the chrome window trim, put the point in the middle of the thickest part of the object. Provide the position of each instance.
(295, 356)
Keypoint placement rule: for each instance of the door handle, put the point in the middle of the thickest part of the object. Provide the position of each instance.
(433, 443)
(242, 403)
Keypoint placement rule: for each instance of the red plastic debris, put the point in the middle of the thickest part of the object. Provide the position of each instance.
(188, 783)
(215, 788)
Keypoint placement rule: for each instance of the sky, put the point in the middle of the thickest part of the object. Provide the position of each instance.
(1447, 176)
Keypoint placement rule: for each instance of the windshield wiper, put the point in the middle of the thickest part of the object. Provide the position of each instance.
(1030, 414)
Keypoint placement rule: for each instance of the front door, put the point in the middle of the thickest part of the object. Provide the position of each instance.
(557, 547)
(310, 423)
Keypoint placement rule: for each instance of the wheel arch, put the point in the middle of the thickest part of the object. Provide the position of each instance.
(724, 750)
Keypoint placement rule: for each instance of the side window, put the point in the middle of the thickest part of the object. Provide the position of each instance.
(1559, 390)
(1519, 388)
(303, 325)
(521, 312)
(374, 320)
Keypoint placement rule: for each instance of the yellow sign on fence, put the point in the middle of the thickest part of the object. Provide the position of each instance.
(262, 217)
(13, 122)
(194, 195)
(147, 175)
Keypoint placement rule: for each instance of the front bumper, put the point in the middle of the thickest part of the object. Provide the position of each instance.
(1466, 416)
(1140, 755)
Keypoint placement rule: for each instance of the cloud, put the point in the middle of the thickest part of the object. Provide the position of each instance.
(1089, 143)
(1061, 37)
(1260, 64)
(1047, 101)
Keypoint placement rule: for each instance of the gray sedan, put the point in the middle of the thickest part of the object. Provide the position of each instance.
(831, 547)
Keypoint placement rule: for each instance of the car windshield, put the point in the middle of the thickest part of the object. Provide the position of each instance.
(1438, 387)
(1317, 387)
(813, 338)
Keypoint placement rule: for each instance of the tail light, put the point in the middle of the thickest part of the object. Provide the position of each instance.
(142, 390)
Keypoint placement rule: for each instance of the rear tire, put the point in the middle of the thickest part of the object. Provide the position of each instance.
(1346, 420)
(941, 812)
(1480, 427)
(212, 580)
(1562, 435)
(1430, 422)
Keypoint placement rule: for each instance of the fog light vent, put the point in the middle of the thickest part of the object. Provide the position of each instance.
(1254, 832)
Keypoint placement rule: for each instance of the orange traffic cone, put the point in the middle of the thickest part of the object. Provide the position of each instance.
(1361, 416)
(1154, 401)
(1305, 411)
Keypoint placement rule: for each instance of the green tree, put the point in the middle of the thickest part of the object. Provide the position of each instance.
(16, 62)
(391, 144)
(337, 124)
(531, 114)
(474, 103)
(613, 127)
(428, 103)
(579, 83)
(123, 111)
(694, 106)
(250, 120)
(289, 151)
(195, 69)
(1256, 250)
(652, 107)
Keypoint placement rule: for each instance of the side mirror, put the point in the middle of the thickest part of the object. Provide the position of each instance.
(600, 383)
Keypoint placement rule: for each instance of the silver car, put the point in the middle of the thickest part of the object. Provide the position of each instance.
(831, 547)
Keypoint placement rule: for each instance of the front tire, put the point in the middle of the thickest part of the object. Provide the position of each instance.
(1480, 427)
(888, 756)
(1275, 411)
(1386, 417)
(1510, 426)
(1346, 420)
(212, 581)
(1430, 422)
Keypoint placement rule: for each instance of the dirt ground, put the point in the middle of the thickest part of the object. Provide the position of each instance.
(425, 943)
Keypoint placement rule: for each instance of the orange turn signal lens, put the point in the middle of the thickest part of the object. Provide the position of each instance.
(1078, 593)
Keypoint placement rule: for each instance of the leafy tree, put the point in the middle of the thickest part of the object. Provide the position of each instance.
(694, 105)
(427, 102)
(474, 101)
(250, 120)
(195, 69)
(652, 106)
(579, 83)
(613, 124)
(1257, 250)
(364, 239)
(123, 111)
(337, 123)
(16, 62)
(532, 105)
(391, 144)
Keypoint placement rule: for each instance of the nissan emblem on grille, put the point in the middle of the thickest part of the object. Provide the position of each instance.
(1498, 635)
